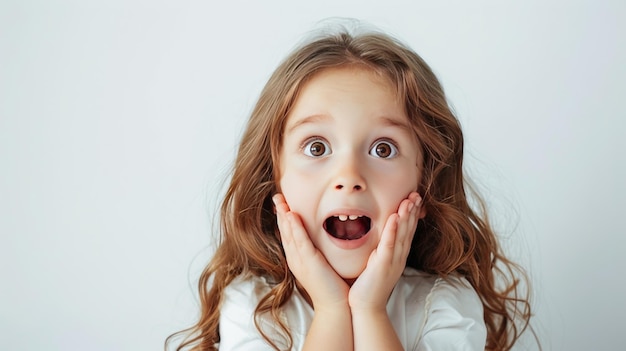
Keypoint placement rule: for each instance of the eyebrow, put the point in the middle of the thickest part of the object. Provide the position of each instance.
(308, 119)
(387, 121)
(394, 122)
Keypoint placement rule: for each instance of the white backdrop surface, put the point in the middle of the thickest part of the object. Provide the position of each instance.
(119, 121)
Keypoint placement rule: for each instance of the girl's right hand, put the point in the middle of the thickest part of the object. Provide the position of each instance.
(307, 263)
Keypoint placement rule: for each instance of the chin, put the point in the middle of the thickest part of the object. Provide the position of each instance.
(348, 264)
(349, 273)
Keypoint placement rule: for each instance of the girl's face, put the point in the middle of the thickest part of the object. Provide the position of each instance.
(349, 157)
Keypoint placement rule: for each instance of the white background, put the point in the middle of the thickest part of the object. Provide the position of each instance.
(119, 120)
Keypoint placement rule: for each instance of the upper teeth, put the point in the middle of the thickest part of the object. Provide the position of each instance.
(344, 218)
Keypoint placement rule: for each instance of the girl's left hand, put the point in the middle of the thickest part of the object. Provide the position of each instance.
(387, 262)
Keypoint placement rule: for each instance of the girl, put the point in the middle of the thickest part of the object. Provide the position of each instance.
(347, 225)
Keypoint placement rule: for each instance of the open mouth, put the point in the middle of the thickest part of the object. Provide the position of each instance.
(346, 227)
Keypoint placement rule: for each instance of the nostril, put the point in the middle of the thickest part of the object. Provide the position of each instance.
(355, 187)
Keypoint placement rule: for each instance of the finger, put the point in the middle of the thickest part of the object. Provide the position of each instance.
(404, 213)
(385, 248)
(281, 209)
(280, 203)
(407, 211)
(301, 239)
(283, 212)
(292, 253)
(417, 212)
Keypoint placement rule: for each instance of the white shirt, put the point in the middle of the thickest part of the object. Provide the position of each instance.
(427, 313)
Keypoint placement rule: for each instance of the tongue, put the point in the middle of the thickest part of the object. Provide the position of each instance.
(347, 230)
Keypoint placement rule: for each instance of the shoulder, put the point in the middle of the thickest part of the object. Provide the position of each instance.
(245, 291)
(455, 317)
(240, 298)
(237, 321)
(453, 290)
(415, 284)
(440, 313)
(238, 329)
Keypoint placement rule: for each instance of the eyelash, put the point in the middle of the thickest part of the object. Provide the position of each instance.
(394, 148)
(305, 148)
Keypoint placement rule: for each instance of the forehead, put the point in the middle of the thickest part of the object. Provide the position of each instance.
(357, 89)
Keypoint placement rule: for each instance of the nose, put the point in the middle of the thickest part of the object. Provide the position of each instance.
(349, 177)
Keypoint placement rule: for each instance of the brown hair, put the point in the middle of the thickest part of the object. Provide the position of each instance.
(453, 238)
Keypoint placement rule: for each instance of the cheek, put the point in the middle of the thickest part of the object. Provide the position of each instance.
(295, 186)
(395, 187)
(400, 178)
(300, 180)
(301, 198)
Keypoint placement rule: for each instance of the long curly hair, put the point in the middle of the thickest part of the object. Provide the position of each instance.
(454, 237)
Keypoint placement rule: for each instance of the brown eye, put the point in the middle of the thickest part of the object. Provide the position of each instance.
(384, 149)
(316, 148)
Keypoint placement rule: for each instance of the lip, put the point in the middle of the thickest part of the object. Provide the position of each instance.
(346, 211)
(348, 244)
